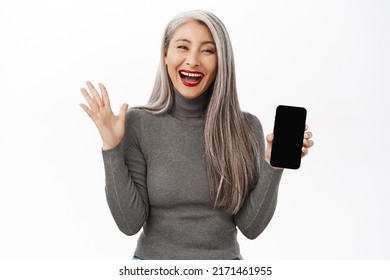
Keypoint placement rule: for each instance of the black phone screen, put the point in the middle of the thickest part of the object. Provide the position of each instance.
(289, 129)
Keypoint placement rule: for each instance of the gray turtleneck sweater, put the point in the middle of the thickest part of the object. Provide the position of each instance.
(156, 180)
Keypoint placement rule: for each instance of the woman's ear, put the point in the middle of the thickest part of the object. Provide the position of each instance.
(165, 56)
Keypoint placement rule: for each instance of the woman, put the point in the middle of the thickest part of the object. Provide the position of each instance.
(189, 167)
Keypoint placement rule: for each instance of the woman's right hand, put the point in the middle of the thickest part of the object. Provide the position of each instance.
(110, 126)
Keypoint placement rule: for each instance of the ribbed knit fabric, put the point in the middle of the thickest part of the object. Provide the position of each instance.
(156, 180)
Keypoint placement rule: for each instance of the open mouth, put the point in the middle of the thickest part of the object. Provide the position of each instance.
(190, 78)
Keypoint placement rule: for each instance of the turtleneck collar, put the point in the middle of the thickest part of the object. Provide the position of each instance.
(189, 108)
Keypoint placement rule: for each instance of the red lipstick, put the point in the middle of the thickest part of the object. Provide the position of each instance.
(191, 78)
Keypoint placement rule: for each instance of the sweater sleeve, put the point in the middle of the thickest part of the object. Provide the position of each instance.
(260, 204)
(125, 171)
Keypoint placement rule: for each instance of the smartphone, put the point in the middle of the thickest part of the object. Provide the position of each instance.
(289, 128)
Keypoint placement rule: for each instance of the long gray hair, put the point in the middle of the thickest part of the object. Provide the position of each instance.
(230, 149)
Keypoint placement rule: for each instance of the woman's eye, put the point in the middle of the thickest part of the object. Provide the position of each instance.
(182, 47)
(209, 51)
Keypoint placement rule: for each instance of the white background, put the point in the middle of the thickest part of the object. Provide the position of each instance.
(331, 57)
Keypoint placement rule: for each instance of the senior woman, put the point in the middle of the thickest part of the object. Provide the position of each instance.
(189, 168)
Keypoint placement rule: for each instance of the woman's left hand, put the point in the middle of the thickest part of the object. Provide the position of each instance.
(307, 142)
(306, 145)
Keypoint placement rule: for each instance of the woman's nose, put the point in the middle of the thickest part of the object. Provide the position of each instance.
(192, 59)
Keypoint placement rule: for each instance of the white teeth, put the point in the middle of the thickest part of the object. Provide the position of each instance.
(191, 74)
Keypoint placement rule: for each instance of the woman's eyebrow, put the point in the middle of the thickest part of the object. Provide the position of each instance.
(183, 40)
(188, 41)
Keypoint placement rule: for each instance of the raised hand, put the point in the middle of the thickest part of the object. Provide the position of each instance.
(307, 143)
(111, 127)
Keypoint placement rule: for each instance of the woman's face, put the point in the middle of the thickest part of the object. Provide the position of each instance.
(191, 59)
